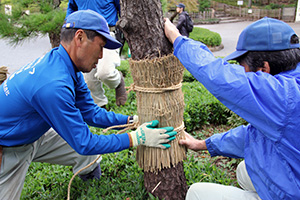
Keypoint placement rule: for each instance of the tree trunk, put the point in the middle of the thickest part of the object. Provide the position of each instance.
(55, 36)
(142, 24)
(56, 3)
(54, 39)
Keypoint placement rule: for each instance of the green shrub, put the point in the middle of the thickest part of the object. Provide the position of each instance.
(188, 77)
(125, 48)
(201, 107)
(124, 68)
(234, 120)
(204, 4)
(206, 36)
(272, 6)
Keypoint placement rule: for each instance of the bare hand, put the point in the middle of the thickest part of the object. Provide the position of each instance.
(171, 31)
(192, 143)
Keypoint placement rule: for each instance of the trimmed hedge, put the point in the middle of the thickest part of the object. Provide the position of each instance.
(201, 107)
(206, 36)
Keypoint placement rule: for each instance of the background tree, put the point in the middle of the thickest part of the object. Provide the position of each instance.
(32, 18)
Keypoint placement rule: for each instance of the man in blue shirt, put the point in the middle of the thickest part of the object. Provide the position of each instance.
(46, 108)
(264, 90)
(106, 71)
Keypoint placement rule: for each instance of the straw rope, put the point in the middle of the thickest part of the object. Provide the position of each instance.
(134, 87)
(125, 126)
(70, 182)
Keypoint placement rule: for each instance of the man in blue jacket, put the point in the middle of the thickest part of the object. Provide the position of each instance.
(46, 108)
(106, 71)
(264, 90)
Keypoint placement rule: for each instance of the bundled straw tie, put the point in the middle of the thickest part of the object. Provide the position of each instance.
(134, 87)
(3, 74)
(125, 126)
(180, 128)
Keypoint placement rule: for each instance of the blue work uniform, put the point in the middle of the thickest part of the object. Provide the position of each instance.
(109, 9)
(51, 92)
(270, 144)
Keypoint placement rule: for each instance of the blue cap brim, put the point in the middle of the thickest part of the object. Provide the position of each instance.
(111, 43)
(235, 55)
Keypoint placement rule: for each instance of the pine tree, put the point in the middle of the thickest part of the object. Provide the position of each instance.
(32, 18)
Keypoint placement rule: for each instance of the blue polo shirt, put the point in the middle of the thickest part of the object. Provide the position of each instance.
(107, 8)
(49, 92)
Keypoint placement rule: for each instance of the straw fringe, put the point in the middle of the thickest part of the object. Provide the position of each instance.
(157, 83)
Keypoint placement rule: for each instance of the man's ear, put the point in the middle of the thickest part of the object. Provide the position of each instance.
(79, 37)
(266, 67)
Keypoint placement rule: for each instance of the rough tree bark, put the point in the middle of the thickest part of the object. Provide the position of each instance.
(55, 36)
(142, 24)
(54, 39)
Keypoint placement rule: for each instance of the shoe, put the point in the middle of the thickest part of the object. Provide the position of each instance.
(95, 174)
(121, 95)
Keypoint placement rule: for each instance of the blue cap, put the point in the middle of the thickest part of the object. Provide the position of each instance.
(91, 20)
(266, 34)
(181, 5)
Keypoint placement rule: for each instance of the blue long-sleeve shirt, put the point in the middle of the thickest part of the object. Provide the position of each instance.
(109, 9)
(270, 144)
(49, 92)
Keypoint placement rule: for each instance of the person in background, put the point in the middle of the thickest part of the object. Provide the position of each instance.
(264, 89)
(46, 108)
(106, 71)
(181, 23)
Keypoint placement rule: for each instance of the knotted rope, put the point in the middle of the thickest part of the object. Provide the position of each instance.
(125, 126)
(134, 87)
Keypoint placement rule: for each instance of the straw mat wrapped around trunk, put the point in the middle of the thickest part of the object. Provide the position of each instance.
(157, 83)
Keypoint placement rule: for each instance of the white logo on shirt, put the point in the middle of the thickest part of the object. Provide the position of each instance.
(32, 72)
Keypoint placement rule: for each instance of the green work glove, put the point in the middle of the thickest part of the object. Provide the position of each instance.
(148, 135)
